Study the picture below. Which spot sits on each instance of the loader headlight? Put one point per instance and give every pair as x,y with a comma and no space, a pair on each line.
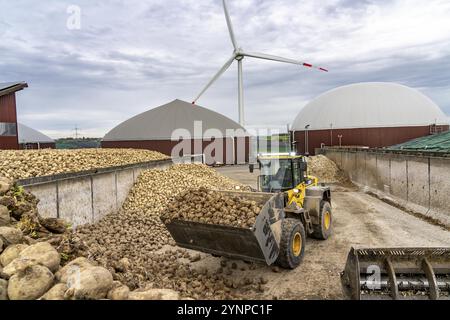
296,191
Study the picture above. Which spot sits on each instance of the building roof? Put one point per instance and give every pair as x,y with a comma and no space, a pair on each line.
433,143
10,87
160,123
29,135
370,105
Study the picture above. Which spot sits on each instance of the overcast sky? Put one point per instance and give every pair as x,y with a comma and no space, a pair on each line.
131,56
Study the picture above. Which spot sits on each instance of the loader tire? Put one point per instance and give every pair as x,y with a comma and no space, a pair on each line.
292,244
323,230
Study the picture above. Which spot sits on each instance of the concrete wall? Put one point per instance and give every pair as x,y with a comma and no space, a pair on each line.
421,182
85,197
440,184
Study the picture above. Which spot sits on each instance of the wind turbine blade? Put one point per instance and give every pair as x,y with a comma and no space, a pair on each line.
230,26
216,76
281,59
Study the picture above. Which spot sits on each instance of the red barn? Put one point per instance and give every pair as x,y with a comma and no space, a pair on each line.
8,114
374,114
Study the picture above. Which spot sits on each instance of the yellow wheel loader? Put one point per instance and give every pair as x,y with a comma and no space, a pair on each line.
294,206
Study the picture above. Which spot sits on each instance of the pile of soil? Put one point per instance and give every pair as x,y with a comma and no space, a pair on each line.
327,171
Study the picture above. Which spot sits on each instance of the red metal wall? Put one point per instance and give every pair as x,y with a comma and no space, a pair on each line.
365,137
8,113
166,147
8,108
8,143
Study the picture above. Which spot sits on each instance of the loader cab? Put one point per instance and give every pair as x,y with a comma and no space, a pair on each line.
281,173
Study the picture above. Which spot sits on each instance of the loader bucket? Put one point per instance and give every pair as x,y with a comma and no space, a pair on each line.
258,244
397,274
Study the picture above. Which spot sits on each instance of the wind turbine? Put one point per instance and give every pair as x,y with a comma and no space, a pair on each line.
239,55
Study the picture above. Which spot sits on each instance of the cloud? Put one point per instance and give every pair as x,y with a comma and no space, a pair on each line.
130,56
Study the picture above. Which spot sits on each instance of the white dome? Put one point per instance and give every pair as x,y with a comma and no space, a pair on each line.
370,105
161,122
29,135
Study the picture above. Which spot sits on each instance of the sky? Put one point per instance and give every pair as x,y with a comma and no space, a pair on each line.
93,64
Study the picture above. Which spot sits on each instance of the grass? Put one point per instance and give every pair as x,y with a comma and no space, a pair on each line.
84,143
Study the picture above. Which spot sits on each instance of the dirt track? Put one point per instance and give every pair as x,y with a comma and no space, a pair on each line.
359,220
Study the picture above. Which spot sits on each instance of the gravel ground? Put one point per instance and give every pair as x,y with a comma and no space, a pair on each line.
359,220
137,250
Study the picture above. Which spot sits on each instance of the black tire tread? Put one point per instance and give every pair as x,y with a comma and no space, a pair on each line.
319,233
284,259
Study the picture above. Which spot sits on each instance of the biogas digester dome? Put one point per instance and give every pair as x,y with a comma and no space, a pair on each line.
30,138
154,130
367,114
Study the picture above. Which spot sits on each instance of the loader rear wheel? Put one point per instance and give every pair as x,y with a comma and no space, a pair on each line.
292,244
323,230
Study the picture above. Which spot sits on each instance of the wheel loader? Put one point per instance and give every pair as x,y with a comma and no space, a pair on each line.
294,206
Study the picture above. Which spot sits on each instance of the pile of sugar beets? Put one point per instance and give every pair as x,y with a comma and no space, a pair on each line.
32,268
212,207
22,164
137,236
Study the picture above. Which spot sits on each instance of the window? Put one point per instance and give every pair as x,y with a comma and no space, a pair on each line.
8,129
297,172
276,175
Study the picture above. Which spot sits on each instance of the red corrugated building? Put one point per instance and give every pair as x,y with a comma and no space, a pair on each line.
374,115
8,114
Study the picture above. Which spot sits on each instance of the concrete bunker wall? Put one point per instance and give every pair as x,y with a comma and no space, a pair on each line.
418,181
86,197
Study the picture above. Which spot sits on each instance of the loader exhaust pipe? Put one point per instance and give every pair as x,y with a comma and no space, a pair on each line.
397,274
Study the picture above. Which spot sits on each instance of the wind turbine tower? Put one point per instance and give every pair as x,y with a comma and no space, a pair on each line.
239,54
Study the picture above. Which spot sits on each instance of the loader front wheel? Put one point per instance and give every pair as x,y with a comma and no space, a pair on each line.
292,244
323,230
